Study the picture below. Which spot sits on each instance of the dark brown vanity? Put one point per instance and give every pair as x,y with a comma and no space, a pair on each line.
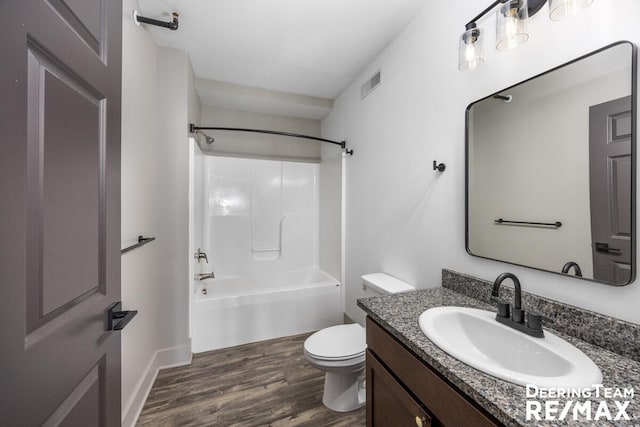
404,390
411,381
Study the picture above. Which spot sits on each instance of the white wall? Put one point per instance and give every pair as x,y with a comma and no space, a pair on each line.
157,102
172,161
196,211
139,135
407,220
330,183
265,146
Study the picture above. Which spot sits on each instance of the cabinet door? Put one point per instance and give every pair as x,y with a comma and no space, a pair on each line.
388,403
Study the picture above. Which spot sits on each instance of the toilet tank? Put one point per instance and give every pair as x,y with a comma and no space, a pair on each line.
382,284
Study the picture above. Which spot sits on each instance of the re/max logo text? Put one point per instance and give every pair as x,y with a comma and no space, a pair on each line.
587,410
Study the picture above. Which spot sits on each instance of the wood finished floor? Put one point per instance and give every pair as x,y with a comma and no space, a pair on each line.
261,384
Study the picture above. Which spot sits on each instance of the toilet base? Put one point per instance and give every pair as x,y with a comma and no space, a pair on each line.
344,391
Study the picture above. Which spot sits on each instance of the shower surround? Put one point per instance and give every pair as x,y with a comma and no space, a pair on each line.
258,222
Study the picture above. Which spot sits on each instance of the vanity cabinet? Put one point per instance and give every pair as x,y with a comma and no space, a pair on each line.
402,390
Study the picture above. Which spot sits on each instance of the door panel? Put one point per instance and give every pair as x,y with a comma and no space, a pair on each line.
60,211
611,188
620,189
87,18
82,406
72,121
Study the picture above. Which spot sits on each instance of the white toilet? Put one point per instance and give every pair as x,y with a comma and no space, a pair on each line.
339,351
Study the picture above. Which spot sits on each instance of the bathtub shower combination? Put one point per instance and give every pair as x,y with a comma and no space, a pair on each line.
258,222
243,309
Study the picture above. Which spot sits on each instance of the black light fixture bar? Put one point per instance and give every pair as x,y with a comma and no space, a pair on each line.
533,7
472,24
193,128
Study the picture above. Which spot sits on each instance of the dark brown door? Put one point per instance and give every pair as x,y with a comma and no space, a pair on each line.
610,182
60,79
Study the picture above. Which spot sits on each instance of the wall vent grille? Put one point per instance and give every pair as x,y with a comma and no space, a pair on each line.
370,85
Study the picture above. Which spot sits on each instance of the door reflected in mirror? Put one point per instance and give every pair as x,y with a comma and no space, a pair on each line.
551,167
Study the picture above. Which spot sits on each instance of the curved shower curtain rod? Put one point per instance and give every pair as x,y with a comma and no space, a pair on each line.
193,128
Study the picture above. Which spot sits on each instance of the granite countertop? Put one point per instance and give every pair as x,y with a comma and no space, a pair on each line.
399,313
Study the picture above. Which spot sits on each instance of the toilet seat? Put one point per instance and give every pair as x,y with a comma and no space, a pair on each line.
339,343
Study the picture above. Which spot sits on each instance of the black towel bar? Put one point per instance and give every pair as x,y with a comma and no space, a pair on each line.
501,221
141,242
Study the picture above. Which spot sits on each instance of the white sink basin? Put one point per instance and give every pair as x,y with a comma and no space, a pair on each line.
474,337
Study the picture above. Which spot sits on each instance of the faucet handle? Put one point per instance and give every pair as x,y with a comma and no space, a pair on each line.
504,309
201,255
534,321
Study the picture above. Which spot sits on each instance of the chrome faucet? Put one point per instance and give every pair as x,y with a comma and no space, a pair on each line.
515,318
203,276
575,266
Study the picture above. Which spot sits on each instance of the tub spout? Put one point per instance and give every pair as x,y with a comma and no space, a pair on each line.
203,276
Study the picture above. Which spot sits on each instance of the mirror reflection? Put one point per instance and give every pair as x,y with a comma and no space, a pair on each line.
550,166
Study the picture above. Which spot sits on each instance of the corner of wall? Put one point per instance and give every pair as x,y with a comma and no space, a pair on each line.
162,359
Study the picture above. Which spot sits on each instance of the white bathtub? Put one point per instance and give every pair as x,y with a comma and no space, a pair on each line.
241,310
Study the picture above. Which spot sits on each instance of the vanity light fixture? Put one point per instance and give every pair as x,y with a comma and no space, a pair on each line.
470,51
511,26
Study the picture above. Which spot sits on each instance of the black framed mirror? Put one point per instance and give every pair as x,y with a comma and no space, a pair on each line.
550,169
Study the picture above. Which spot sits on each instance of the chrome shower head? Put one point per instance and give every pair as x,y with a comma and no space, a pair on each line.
208,139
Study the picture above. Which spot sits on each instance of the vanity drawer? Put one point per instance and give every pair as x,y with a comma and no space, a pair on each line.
443,401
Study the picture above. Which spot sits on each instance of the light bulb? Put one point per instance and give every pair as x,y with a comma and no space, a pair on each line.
511,24
470,49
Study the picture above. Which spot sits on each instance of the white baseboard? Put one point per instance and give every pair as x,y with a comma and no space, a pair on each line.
162,359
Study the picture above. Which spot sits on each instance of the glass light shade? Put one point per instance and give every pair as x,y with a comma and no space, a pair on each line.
511,24
561,9
470,50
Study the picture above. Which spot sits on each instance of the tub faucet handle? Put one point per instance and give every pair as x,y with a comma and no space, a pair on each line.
201,255
203,276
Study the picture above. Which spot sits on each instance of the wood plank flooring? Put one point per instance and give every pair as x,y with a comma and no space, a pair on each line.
261,384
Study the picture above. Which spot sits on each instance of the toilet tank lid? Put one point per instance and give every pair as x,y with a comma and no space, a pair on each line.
386,284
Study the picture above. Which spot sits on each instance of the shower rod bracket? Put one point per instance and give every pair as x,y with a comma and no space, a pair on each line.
172,25
343,144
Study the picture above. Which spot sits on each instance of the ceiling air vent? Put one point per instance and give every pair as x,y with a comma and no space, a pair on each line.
370,85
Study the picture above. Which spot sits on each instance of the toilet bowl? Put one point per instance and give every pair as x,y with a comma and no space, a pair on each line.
339,351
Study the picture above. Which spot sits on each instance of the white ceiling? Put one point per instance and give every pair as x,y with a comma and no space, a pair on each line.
304,47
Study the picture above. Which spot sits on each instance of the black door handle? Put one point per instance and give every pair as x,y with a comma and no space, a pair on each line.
604,248
117,319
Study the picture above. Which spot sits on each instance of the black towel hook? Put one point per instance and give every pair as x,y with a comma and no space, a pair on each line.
439,167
